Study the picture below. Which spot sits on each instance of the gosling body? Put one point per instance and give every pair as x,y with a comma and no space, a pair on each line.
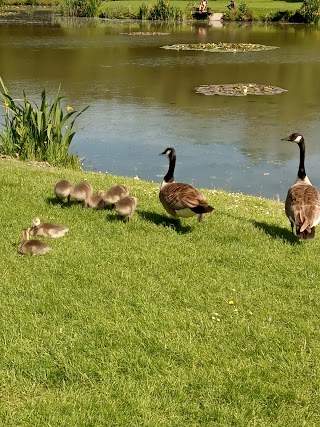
63,189
95,201
47,229
114,194
32,247
81,192
126,207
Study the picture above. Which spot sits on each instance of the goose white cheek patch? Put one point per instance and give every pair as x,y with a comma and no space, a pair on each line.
298,138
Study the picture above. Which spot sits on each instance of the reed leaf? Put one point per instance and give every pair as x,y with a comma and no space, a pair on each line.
38,133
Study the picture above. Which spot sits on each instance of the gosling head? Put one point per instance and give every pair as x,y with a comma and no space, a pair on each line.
36,221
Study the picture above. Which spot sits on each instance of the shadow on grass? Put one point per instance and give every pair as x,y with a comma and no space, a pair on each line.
277,232
165,221
54,201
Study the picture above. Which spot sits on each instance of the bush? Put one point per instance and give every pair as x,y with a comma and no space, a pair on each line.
308,12
162,10
81,8
38,133
242,13
143,12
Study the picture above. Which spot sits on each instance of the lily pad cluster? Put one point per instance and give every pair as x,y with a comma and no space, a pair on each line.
239,89
147,33
221,47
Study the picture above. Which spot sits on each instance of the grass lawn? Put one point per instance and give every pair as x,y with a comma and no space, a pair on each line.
259,7
157,322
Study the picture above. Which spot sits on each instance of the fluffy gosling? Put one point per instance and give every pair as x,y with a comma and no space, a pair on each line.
126,207
114,194
95,201
32,247
81,192
63,189
46,229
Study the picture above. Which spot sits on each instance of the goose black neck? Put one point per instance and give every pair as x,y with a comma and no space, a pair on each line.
172,163
301,170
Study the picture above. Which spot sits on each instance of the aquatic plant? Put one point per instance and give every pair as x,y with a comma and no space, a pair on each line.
41,133
239,89
221,47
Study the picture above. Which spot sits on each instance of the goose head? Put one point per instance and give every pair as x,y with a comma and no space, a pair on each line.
169,152
294,137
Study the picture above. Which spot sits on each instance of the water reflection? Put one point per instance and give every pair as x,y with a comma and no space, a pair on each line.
142,98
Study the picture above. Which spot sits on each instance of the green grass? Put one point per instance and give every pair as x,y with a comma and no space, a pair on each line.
117,325
258,7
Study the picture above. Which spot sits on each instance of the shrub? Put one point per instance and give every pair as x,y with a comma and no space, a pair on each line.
143,12
308,12
242,13
162,10
38,133
81,8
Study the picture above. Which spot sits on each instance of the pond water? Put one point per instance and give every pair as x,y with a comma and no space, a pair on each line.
142,98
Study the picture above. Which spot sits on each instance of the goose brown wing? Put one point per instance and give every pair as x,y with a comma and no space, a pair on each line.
303,206
180,196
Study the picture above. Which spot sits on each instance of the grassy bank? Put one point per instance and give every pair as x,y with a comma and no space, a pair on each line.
155,322
261,9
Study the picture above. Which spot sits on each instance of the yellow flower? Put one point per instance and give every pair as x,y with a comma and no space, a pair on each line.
231,302
69,108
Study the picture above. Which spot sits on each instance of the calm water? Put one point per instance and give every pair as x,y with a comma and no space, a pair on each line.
142,98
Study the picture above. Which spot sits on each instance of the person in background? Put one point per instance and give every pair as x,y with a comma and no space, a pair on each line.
232,5
203,6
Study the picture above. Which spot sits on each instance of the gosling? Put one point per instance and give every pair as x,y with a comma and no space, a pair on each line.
114,194
63,189
46,229
95,201
81,192
126,207
32,247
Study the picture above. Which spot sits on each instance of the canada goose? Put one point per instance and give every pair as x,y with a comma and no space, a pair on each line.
46,229
32,247
95,201
302,205
114,194
81,192
180,200
63,189
126,207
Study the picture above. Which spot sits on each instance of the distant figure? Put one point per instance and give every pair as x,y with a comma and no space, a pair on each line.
203,6
232,5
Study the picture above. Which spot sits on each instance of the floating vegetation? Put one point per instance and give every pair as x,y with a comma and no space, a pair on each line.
239,89
221,47
147,33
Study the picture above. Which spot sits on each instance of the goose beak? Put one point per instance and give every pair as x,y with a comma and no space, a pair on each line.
285,139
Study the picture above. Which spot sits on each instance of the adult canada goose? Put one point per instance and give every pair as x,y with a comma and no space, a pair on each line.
302,204
126,207
178,199
114,194
63,189
95,201
32,247
46,229
81,192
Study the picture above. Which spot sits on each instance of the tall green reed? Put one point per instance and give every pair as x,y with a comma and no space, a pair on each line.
41,133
